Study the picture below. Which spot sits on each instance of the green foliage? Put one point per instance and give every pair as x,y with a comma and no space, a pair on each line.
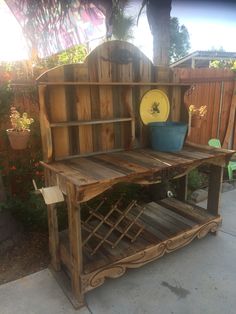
18,170
75,54
196,179
179,40
217,64
122,26
18,122
26,206
31,212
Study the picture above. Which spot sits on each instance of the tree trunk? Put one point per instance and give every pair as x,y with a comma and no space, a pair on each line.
158,14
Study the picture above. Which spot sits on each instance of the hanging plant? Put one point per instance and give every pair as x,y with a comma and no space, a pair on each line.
196,115
20,132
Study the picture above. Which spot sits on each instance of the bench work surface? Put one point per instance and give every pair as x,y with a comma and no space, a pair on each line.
94,174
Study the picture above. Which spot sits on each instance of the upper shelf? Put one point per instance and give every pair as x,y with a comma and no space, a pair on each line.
89,122
115,83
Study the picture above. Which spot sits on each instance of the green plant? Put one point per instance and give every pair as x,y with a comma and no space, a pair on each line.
196,180
217,64
201,112
75,54
26,206
122,26
20,123
179,40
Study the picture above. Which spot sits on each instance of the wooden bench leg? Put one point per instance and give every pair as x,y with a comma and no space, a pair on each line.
53,237
75,240
214,189
182,188
53,229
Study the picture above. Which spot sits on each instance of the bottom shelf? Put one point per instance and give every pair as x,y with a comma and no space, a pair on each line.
168,225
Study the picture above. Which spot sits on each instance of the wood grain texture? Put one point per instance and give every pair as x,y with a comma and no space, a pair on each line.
214,189
100,89
46,134
93,175
83,106
53,232
231,120
182,188
75,241
150,254
213,88
92,83
165,231
93,139
57,107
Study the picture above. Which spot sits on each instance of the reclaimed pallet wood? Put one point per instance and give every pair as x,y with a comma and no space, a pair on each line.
231,120
57,112
125,83
74,224
102,91
169,232
53,231
93,139
103,99
83,108
94,174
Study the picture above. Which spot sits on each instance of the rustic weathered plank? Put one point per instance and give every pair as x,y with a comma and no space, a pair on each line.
187,210
174,222
53,237
231,120
53,229
130,256
105,93
93,139
228,95
122,164
58,113
177,218
89,122
115,269
131,83
75,238
213,88
214,189
93,175
45,126
83,108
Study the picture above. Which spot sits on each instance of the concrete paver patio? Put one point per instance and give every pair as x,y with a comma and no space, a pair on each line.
199,278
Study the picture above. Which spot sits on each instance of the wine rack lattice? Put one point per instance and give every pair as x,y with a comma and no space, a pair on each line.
111,227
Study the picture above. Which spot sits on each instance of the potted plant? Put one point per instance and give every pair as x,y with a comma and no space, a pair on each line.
196,115
20,132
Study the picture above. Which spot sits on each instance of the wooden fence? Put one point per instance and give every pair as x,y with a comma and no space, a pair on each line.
215,88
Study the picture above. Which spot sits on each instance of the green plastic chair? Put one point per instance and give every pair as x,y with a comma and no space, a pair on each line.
215,142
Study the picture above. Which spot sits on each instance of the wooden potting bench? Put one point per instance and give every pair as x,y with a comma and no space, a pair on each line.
93,139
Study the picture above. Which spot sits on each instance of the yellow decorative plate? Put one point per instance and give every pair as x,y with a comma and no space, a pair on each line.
154,106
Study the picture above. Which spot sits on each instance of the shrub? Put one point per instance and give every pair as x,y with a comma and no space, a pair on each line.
196,179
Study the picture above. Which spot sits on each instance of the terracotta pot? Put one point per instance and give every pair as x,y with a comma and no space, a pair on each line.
196,122
18,140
